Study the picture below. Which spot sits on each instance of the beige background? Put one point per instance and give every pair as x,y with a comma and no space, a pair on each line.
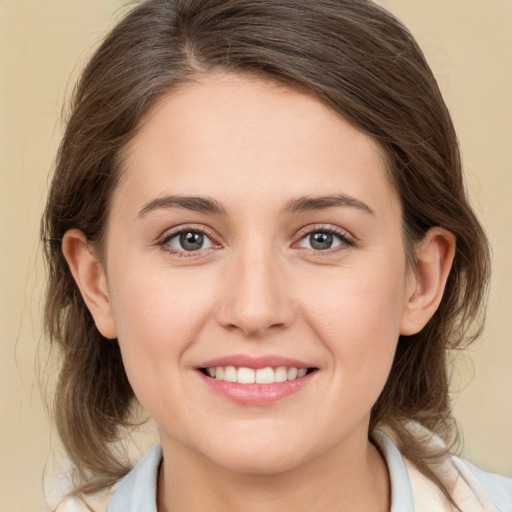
469,45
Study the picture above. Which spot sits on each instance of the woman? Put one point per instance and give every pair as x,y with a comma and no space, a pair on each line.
258,231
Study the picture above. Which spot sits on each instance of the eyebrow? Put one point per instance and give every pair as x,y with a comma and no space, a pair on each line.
307,203
211,206
197,204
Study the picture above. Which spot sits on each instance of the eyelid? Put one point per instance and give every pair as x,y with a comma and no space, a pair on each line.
170,233
346,238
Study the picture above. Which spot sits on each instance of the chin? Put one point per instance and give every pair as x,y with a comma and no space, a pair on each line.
261,456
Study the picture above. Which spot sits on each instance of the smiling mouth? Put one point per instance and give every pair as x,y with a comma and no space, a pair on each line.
267,375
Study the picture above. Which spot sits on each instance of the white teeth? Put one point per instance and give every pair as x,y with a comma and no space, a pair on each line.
280,374
267,375
230,374
292,373
246,376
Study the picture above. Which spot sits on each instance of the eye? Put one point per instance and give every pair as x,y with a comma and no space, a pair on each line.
188,240
323,240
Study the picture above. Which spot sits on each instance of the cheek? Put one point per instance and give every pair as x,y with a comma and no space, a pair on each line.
157,304
358,304
158,315
359,322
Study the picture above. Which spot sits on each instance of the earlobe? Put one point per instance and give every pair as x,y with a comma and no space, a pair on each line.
427,279
90,278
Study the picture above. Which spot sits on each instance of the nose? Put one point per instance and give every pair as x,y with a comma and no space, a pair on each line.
255,298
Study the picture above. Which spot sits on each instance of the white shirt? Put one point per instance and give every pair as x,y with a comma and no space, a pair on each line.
473,489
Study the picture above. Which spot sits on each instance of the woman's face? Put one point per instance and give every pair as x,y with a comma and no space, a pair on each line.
254,231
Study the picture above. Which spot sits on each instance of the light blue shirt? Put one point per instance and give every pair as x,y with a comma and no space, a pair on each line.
137,491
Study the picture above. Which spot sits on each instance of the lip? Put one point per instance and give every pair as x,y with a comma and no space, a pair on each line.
255,362
255,394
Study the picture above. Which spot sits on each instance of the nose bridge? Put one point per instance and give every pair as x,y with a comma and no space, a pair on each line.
255,297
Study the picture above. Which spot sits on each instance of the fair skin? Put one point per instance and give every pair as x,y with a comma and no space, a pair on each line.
294,250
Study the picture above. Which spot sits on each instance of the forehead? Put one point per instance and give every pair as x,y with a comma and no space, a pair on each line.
229,132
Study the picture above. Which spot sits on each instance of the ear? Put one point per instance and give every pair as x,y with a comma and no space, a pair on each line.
427,279
90,278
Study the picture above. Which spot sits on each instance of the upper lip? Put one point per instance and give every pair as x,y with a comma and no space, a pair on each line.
255,362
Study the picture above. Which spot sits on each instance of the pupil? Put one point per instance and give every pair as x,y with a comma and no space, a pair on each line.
191,241
320,241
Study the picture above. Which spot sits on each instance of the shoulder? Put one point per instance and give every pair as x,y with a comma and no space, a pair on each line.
497,487
136,492
472,488
467,482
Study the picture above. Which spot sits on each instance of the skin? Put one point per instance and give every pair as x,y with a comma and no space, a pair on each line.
257,287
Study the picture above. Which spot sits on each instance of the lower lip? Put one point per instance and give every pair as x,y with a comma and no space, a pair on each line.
256,394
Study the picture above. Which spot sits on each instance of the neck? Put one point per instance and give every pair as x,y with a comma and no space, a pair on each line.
348,480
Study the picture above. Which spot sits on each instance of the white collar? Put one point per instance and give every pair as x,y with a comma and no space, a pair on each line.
137,491
410,490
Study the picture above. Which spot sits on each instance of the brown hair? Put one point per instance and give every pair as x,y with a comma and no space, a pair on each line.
350,54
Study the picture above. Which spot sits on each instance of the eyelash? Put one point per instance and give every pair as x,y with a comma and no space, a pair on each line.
165,240
345,239
163,243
